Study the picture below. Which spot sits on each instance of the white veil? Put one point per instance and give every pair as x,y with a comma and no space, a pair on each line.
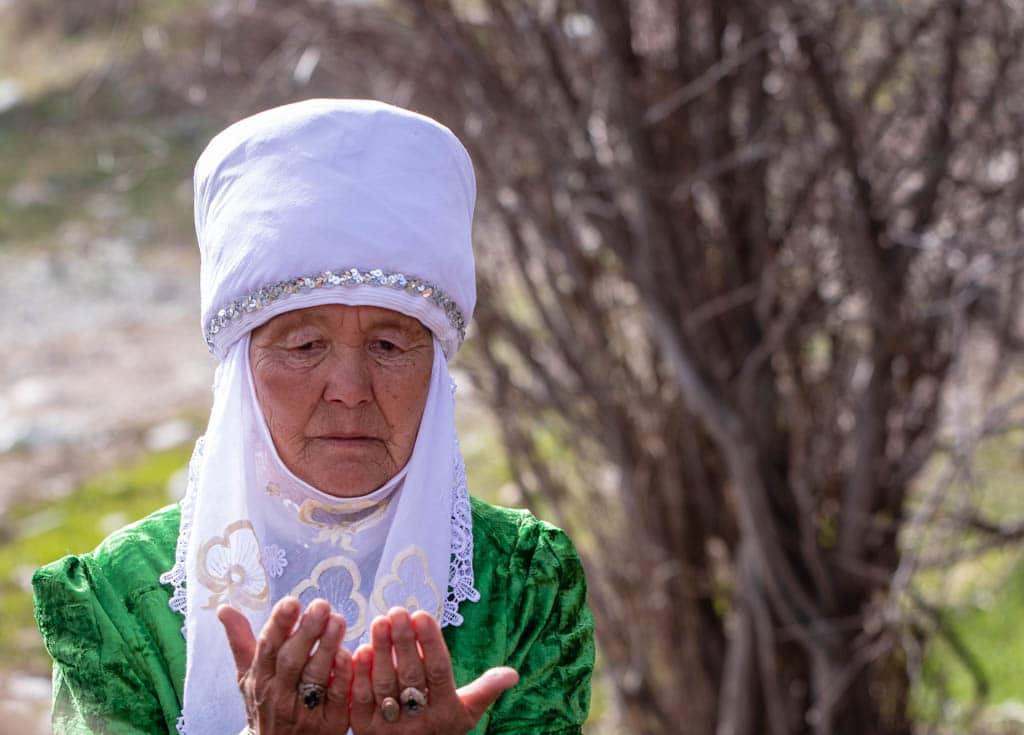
281,198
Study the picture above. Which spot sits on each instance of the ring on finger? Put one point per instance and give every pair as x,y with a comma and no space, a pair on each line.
389,709
312,694
413,700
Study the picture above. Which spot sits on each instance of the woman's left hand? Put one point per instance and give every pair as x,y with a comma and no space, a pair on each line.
385,672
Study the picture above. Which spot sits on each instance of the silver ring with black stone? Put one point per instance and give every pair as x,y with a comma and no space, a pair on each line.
312,695
413,700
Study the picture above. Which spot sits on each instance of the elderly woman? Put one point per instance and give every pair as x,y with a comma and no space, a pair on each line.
327,570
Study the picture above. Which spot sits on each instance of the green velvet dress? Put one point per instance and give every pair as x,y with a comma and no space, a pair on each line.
119,656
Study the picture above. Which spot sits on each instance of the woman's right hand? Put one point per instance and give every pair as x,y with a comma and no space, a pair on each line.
271,669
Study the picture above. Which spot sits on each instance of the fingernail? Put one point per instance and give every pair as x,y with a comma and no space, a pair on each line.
316,613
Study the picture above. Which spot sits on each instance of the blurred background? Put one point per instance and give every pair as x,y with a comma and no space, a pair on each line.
749,322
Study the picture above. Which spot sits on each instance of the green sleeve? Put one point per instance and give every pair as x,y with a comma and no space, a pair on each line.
532,616
551,644
104,620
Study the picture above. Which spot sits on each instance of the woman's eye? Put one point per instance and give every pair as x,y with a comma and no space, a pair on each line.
307,346
385,348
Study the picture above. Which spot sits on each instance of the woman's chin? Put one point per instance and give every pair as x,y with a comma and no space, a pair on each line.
349,470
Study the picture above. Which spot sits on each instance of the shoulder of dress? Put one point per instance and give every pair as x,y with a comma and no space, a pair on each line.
515,530
154,535
130,557
497,523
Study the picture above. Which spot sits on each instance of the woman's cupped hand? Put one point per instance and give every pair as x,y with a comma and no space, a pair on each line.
375,690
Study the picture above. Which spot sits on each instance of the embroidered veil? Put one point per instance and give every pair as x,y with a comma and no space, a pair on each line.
323,201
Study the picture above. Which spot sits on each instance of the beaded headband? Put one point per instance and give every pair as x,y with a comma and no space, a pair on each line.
257,300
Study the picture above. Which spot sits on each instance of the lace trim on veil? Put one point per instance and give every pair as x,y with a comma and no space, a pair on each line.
176,575
461,582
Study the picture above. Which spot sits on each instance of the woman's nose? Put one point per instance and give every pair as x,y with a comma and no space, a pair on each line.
348,377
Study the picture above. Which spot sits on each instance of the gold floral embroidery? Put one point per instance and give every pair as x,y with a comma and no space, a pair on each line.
409,585
339,523
337,579
230,566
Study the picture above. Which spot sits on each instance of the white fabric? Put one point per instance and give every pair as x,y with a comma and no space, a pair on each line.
256,533
305,188
330,185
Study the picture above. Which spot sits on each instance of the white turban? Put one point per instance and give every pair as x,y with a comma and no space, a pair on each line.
327,186
324,201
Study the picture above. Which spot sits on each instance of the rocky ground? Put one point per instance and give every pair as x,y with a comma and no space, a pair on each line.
97,348
100,358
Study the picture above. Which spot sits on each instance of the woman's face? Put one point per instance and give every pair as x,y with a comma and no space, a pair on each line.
342,389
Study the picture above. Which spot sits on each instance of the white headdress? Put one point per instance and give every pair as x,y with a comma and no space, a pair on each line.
325,201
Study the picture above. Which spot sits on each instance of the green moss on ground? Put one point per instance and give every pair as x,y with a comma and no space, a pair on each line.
984,608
